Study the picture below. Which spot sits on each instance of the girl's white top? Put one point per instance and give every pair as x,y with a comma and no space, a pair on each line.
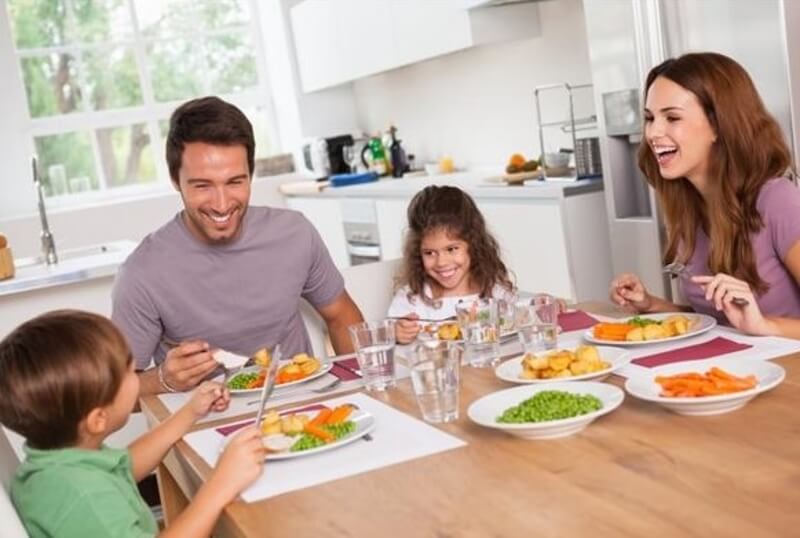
444,307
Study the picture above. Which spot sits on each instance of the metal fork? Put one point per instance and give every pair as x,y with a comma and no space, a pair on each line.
676,269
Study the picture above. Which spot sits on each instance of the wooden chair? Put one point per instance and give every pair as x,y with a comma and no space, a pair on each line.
371,287
11,525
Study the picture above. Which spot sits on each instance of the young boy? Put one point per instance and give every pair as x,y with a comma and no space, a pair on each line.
68,382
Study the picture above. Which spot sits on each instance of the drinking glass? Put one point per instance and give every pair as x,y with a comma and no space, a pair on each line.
480,324
351,157
374,343
435,378
537,323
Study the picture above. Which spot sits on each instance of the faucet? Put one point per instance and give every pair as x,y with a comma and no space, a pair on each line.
48,243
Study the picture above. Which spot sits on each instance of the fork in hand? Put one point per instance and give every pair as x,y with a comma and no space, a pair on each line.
676,269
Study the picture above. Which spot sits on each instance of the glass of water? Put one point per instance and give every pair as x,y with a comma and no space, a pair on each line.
537,323
435,377
374,343
480,325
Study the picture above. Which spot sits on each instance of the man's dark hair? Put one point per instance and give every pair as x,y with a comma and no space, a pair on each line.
210,120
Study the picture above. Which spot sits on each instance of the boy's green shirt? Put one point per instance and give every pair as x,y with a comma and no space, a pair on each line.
76,492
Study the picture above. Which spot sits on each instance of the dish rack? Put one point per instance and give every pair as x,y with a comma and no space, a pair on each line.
587,150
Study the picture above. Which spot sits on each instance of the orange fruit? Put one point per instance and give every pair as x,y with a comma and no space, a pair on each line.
517,159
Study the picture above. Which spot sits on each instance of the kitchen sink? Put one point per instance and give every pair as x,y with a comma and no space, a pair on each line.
74,265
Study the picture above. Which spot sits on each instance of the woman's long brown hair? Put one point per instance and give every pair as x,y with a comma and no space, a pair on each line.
452,210
749,151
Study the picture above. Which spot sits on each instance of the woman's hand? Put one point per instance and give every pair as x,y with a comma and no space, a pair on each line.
407,328
627,291
207,397
722,289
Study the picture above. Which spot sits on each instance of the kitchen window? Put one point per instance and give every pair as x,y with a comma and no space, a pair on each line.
102,77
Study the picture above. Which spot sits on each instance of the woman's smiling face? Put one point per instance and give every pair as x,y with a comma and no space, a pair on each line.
678,132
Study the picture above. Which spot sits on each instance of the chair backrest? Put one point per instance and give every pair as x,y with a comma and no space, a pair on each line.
11,525
370,286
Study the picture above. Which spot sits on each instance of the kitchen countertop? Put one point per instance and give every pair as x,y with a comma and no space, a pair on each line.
475,183
75,265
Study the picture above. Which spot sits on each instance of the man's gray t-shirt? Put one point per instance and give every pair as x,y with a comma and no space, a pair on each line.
239,296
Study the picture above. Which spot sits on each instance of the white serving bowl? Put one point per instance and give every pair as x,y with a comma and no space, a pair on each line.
485,411
769,376
511,370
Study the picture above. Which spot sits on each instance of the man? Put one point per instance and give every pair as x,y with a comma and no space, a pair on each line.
222,274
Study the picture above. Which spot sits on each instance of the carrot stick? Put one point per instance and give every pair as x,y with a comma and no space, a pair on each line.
339,414
320,419
316,431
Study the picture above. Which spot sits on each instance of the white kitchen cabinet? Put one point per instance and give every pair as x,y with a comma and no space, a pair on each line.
392,225
326,216
336,42
532,242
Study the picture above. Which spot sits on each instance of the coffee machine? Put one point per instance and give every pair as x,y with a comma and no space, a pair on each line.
323,157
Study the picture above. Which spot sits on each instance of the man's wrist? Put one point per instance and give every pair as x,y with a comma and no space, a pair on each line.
162,380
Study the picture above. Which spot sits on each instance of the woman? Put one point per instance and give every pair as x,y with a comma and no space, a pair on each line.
717,160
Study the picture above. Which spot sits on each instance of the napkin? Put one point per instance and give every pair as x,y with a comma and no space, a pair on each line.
346,369
575,321
712,348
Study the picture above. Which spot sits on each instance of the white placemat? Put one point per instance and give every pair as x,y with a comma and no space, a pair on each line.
397,437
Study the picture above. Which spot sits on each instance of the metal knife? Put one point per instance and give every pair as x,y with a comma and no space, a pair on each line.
269,383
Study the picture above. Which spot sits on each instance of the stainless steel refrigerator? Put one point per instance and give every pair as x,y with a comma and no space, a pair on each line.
626,39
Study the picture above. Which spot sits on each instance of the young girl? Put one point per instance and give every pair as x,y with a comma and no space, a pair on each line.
68,382
717,160
449,256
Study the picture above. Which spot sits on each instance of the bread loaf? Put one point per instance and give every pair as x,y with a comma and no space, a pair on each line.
6,259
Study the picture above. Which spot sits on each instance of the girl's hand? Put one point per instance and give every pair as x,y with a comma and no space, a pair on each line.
209,396
722,289
240,464
627,291
407,328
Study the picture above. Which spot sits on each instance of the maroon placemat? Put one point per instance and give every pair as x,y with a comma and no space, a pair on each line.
712,348
575,321
346,369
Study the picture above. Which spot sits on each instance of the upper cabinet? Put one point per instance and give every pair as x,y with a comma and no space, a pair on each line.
337,42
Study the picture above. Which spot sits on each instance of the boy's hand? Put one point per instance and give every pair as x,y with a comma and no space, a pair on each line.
241,463
188,364
209,396
407,328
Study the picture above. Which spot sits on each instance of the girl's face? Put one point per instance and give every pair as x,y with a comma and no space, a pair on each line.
678,132
446,260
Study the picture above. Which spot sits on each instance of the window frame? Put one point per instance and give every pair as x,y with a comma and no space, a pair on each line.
150,112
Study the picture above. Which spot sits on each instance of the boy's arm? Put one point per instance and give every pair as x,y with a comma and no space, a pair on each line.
149,449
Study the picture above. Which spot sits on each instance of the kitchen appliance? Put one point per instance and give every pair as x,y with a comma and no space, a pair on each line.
361,230
322,157
626,39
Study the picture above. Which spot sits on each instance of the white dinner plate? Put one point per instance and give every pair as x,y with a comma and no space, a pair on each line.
486,410
768,374
511,370
324,368
365,423
699,323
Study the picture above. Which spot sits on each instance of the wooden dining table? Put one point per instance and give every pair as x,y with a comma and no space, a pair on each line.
638,471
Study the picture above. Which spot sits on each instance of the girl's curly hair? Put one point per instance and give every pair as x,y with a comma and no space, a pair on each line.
452,210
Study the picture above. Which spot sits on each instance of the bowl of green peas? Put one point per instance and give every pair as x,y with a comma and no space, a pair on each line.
546,411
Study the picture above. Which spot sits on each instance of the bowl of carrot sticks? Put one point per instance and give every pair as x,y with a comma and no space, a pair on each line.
707,387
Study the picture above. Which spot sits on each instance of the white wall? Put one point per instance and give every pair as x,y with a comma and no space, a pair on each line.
112,221
477,105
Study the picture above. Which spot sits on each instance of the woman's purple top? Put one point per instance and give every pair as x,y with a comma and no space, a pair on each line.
779,206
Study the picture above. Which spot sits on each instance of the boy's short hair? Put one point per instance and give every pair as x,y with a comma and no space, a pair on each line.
56,368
